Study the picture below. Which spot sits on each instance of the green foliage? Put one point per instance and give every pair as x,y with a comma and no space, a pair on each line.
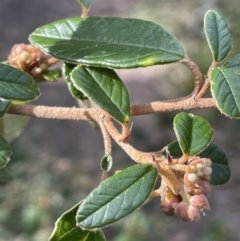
221,171
218,35
106,163
226,91
4,105
233,64
105,88
52,75
16,84
66,229
117,196
90,49
193,133
108,42
85,3
67,69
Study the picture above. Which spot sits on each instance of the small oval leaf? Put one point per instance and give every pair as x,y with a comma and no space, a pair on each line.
233,64
16,84
117,196
220,170
105,88
67,69
108,42
225,88
193,133
86,3
106,163
218,35
4,105
66,229
5,152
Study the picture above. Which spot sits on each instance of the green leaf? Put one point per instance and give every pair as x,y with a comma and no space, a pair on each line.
66,229
105,88
174,149
117,196
51,75
67,69
86,3
106,163
220,170
193,133
233,64
5,152
225,88
16,84
4,105
218,35
108,42
11,126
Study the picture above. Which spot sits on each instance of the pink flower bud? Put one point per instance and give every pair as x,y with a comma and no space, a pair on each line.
187,212
200,202
169,201
28,58
201,187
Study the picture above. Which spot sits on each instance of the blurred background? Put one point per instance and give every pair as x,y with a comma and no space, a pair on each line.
56,163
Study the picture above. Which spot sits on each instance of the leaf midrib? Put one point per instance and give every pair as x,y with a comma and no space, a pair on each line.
142,176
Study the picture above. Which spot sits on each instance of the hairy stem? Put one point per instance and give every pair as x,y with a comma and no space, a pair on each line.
196,73
106,138
137,156
206,84
72,113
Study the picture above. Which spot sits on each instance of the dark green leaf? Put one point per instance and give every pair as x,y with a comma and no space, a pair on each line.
220,169
225,88
105,88
4,105
108,42
16,84
5,152
106,163
218,35
67,69
66,229
233,64
117,196
85,3
174,149
193,133
52,75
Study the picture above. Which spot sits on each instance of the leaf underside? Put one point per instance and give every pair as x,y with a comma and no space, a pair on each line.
66,229
4,105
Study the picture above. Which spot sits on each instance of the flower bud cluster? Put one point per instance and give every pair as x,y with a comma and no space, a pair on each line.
28,58
192,199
